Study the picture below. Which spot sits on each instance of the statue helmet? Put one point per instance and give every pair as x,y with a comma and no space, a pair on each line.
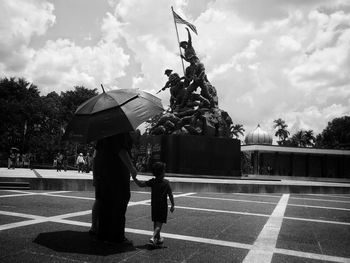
168,71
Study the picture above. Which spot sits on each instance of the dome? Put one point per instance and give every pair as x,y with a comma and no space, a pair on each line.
258,136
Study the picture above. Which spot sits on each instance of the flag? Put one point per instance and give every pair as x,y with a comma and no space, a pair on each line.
179,20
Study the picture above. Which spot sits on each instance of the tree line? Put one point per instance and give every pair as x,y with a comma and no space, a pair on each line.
35,124
335,136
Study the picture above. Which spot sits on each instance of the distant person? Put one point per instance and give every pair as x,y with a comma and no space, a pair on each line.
88,163
80,162
111,172
11,160
59,159
18,160
26,160
160,191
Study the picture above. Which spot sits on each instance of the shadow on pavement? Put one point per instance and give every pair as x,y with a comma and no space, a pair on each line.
149,247
78,242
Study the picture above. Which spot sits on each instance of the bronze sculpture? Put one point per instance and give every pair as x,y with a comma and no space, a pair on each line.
190,112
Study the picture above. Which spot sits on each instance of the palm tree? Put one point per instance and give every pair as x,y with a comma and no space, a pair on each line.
281,132
236,130
303,138
309,138
298,139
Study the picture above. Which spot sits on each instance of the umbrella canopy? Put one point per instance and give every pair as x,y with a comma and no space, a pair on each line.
110,113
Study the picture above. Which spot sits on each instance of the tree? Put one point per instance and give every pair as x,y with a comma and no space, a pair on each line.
309,138
34,123
236,130
336,134
19,104
282,133
302,139
70,101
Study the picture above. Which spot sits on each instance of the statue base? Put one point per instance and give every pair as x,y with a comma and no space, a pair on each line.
188,154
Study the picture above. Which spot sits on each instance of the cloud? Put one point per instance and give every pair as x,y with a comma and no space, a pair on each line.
267,59
19,21
61,65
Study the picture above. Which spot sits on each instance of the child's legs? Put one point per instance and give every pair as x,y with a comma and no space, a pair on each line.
157,228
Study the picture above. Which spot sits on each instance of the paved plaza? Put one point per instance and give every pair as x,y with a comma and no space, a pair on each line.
52,226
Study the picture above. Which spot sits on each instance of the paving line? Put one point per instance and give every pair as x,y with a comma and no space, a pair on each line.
321,207
192,239
37,219
15,195
24,193
29,216
40,219
218,211
22,223
30,192
61,219
260,195
331,195
256,214
217,242
140,192
265,243
201,240
322,200
70,196
311,255
233,200
317,220
14,191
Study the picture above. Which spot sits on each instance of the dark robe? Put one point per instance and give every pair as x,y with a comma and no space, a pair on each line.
112,186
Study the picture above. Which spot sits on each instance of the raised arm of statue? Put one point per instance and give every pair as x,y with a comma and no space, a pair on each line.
189,37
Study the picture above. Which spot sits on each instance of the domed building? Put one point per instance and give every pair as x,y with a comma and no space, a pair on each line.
263,158
258,136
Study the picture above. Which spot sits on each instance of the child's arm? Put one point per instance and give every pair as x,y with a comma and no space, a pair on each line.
139,183
171,197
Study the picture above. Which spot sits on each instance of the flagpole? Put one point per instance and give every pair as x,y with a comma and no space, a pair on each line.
178,40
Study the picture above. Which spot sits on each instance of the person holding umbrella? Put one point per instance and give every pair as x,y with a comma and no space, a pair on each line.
108,119
112,169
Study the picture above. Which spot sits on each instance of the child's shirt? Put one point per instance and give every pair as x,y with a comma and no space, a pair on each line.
160,189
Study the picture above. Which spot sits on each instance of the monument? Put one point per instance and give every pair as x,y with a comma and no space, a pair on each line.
193,135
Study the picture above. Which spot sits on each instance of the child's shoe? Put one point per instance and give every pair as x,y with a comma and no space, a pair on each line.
152,241
160,241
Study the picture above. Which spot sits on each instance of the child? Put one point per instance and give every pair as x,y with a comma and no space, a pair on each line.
160,190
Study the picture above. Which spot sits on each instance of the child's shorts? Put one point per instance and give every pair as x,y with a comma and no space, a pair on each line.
159,214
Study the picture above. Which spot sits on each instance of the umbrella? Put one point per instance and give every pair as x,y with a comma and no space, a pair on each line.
110,113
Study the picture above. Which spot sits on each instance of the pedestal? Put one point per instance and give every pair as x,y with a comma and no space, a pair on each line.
197,155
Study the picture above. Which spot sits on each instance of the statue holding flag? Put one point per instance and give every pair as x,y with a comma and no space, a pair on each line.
185,104
188,48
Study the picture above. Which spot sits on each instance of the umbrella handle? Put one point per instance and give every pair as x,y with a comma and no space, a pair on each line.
103,89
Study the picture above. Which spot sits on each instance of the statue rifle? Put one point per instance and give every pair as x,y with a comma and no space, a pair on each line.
162,89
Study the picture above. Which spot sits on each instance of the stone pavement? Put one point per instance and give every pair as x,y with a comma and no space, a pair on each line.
52,226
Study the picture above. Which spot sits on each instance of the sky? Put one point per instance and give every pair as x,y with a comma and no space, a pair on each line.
268,59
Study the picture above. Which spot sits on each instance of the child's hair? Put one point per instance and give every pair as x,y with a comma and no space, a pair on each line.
158,169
